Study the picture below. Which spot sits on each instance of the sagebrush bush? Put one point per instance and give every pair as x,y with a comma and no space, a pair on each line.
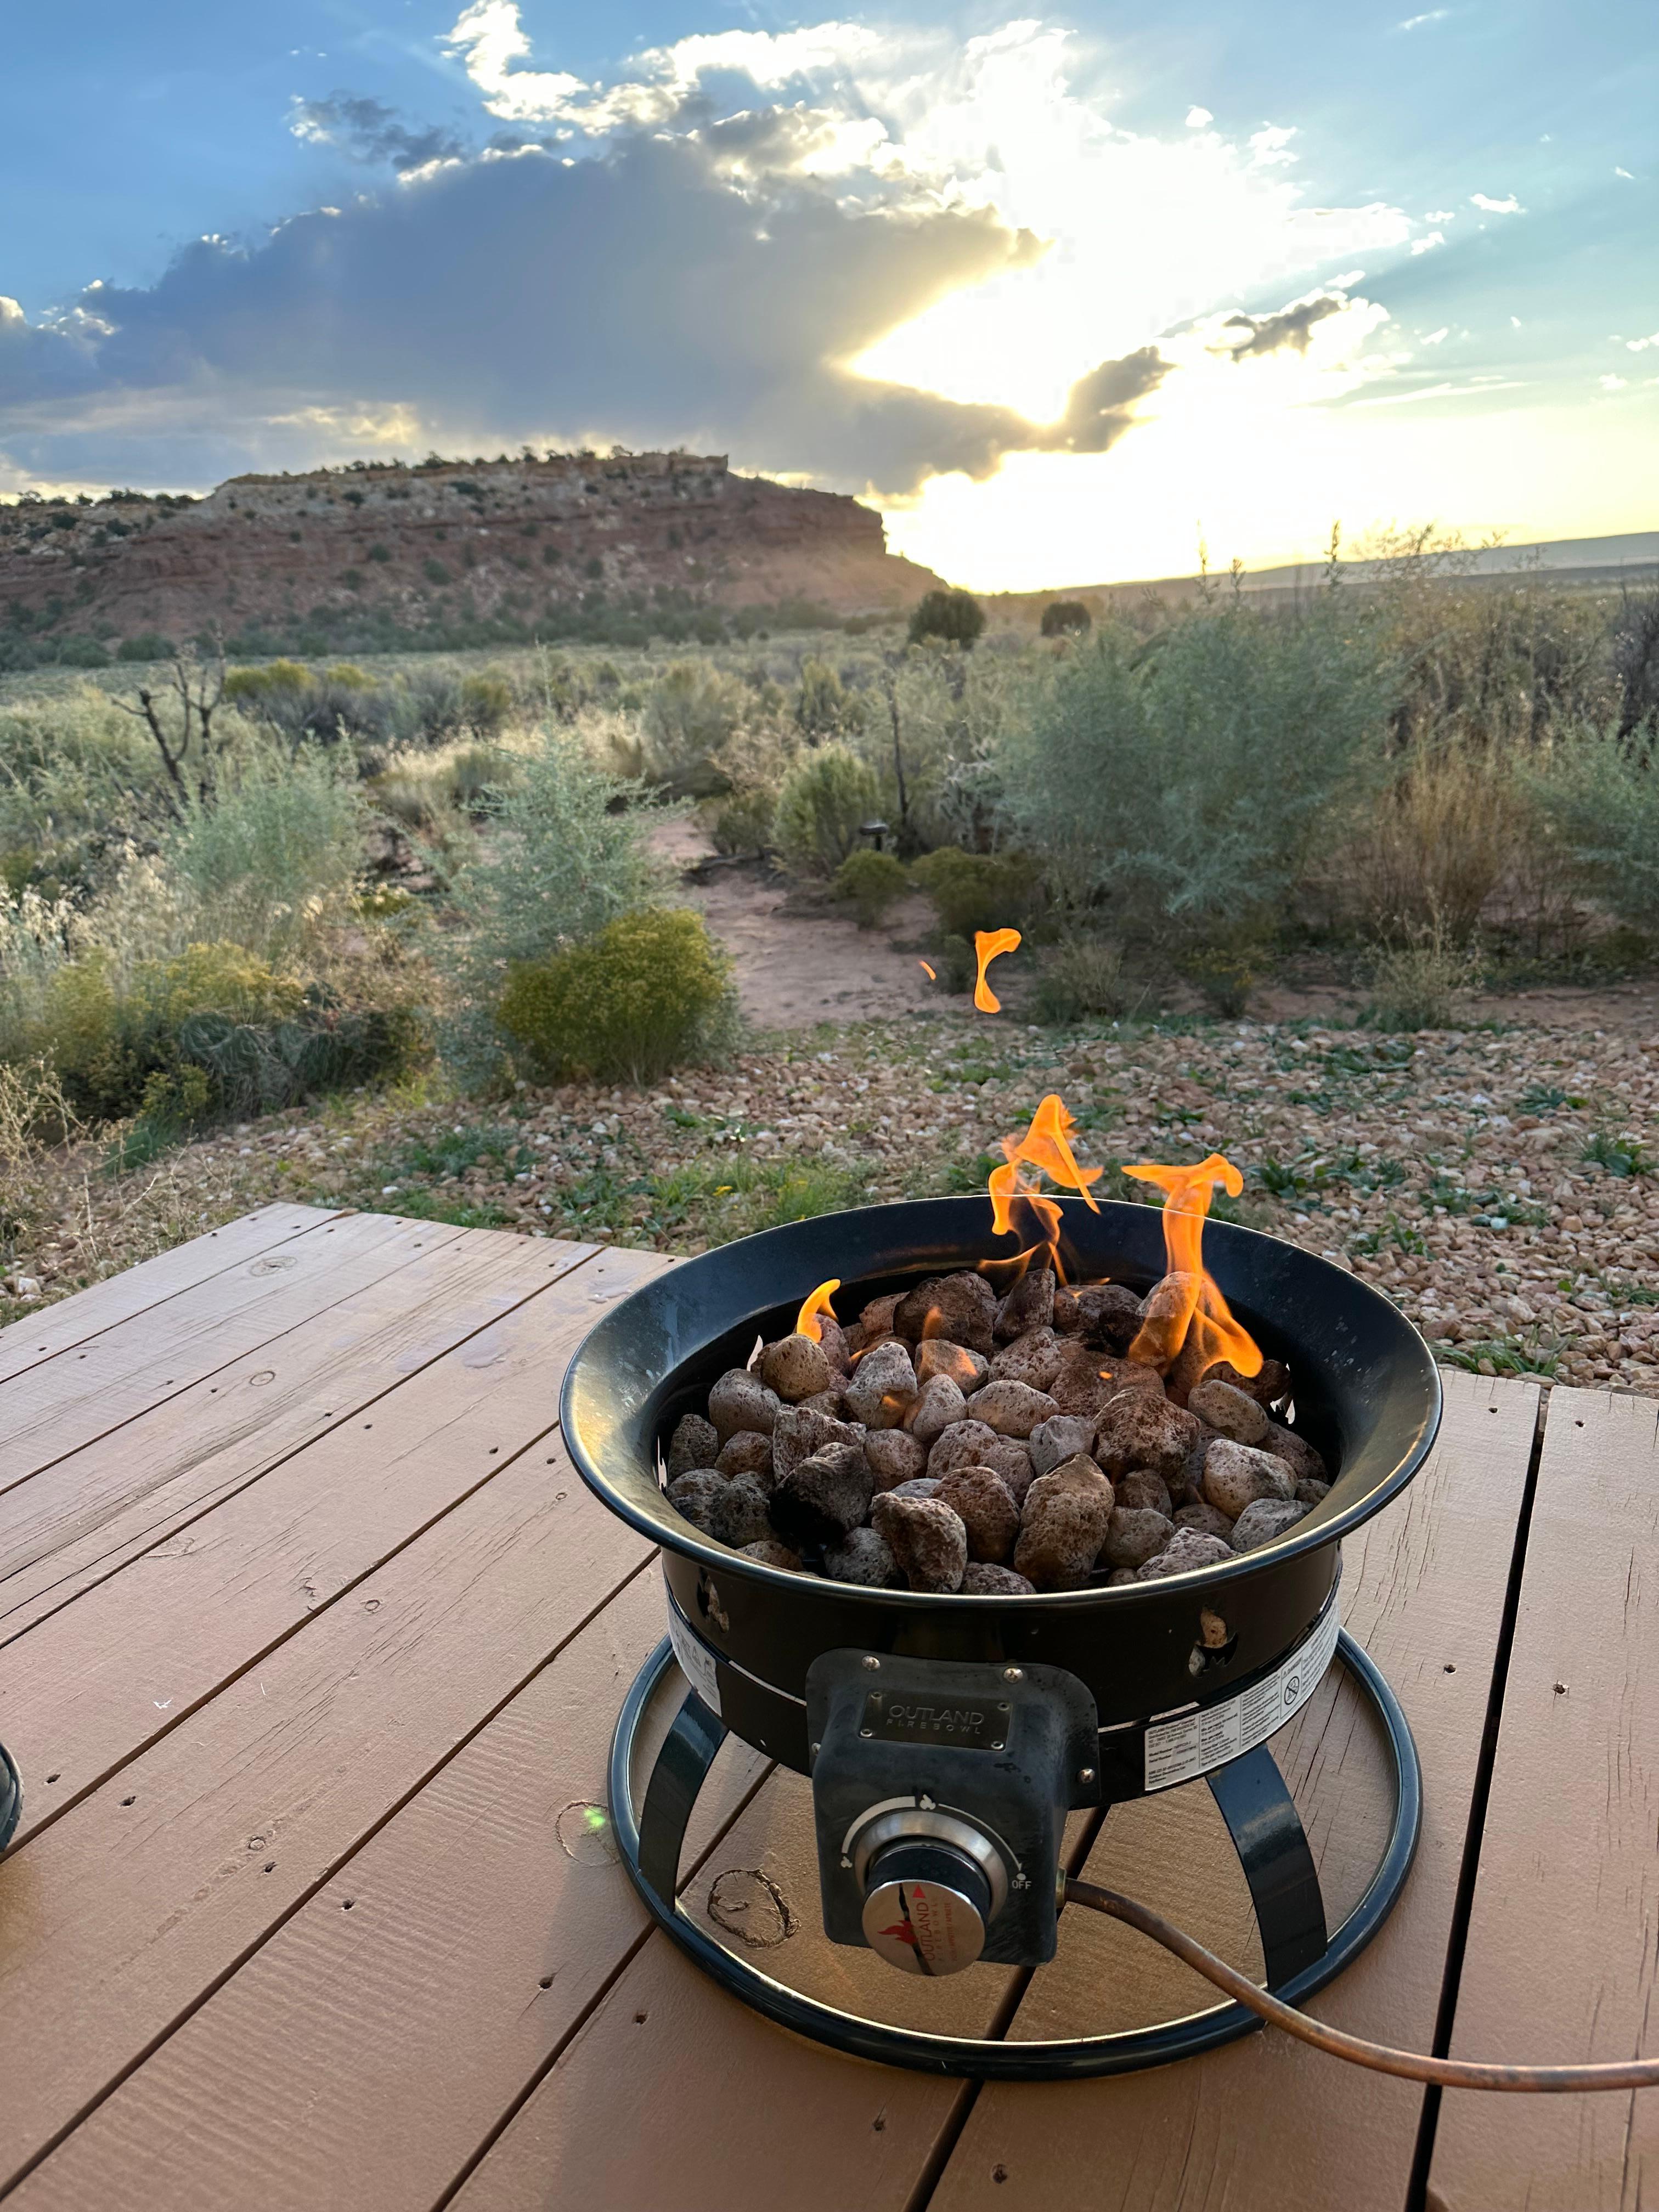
825,798
1081,977
1598,795
1417,986
649,992
974,891
743,823
869,883
277,860
1187,780
690,712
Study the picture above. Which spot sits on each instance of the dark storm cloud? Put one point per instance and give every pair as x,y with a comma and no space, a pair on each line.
1291,328
636,296
369,131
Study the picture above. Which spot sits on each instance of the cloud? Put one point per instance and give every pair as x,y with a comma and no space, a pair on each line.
863,256
1291,328
369,132
1613,383
1632,345
1198,117
1510,206
1416,22
1441,214
1624,173
1427,245
1435,337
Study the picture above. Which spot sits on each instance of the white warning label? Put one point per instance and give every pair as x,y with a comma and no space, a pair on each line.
696,1661
1178,1750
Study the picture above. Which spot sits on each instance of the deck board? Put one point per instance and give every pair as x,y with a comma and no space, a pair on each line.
81,1520
1560,1963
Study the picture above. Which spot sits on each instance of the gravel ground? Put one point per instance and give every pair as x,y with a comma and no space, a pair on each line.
1495,1183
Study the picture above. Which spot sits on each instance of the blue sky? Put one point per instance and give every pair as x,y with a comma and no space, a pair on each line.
1065,293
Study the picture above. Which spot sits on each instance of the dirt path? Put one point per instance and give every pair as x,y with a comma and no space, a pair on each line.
798,964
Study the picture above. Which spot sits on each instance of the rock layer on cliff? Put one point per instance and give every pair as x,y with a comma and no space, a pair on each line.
442,543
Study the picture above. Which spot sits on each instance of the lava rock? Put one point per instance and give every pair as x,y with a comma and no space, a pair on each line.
800,1430
1306,1464
894,1456
1141,1490
927,1540
1236,1475
747,1452
1268,1517
1165,1311
1187,1549
833,1345
732,1512
918,1485
771,1553
980,1499
982,1579
819,1501
695,1443
877,1318
1068,1315
1063,1436
741,1401
1063,1525
1035,1358
864,1558
1119,1575
937,1355
970,1443
1013,1409
795,1367
1308,1492
1228,1411
1270,1386
692,1495
1136,1535
1208,1520
939,1404
883,1386
1136,1429
1109,1313
961,1307
1028,1305
831,1401
1079,1385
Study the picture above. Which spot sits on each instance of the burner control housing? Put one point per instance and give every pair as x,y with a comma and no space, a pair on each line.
940,1790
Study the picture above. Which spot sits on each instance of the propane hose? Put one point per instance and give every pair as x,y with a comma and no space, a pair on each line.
1410,2065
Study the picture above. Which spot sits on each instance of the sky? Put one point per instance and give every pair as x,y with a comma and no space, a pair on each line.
1070,296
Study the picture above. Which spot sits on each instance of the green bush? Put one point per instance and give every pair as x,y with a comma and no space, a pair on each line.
277,860
743,822
650,991
956,618
825,798
690,712
1067,618
1082,977
1598,798
869,883
974,891
1187,782
486,702
824,708
1417,987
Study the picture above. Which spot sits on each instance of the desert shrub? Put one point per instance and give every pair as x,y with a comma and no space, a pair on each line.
690,712
1227,964
650,991
1598,796
869,883
1186,782
1067,618
1450,826
1081,977
486,702
825,798
974,891
954,964
77,777
824,707
427,791
955,617
276,860
1417,986
742,823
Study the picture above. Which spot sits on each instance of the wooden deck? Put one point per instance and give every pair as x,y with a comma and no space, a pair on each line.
311,1645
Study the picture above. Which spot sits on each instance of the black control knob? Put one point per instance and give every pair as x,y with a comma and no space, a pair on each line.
927,1906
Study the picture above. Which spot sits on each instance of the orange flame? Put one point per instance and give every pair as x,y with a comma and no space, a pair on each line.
932,974
1193,1307
989,945
1045,1149
807,1320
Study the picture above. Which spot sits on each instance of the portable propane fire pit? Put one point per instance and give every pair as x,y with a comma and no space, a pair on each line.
948,1734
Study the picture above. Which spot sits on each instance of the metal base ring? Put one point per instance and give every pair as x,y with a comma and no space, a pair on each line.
11,1796
1258,1812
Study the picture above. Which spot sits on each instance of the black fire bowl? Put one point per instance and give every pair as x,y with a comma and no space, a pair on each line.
1366,1394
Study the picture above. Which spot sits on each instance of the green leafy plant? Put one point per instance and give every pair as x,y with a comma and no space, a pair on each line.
953,617
1621,1156
648,993
974,891
825,798
870,883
